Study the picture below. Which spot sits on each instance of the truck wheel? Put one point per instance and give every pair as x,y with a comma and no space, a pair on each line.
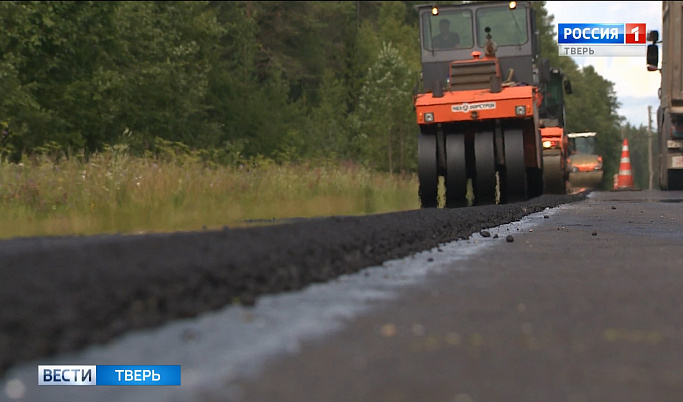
553,175
675,179
535,179
514,181
456,171
427,171
485,171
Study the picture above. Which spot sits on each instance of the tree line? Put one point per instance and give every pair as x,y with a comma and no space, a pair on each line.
283,80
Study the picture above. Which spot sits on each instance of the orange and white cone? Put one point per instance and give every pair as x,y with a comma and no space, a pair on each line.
625,179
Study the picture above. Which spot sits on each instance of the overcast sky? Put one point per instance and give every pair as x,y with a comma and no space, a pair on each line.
636,88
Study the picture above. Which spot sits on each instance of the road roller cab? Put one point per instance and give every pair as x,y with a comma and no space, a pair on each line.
584,164
477,104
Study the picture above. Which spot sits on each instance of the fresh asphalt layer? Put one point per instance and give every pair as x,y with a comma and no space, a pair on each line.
64,294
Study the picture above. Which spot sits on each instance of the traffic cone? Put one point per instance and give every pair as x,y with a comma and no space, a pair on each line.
625,179
616,180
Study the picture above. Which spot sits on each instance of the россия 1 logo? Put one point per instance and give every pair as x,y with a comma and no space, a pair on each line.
609,40
635,33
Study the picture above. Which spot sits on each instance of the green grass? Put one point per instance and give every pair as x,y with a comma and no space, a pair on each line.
116,193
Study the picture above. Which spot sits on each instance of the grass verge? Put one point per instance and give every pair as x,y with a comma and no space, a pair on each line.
116,193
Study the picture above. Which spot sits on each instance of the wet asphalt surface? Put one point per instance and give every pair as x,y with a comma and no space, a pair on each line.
64,294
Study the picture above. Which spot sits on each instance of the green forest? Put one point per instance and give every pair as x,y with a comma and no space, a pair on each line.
233,81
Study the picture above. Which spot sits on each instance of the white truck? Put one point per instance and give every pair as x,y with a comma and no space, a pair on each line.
670,111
